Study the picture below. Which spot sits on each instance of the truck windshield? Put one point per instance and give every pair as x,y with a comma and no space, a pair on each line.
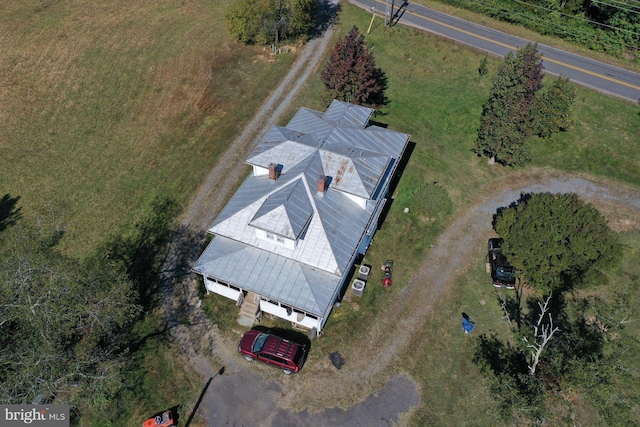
507,273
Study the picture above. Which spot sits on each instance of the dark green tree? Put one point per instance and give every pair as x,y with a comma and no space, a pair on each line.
553,108
506,117
483,69
351,73
557,241
270,21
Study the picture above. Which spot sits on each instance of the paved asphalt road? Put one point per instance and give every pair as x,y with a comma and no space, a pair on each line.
588,72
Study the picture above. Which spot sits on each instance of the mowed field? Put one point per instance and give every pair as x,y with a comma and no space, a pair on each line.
106,106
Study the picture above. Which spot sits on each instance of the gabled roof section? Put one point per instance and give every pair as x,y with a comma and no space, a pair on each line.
310,122
345,114
282,146
286,212
354,170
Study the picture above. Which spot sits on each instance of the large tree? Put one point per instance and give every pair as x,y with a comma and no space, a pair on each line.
351,73
62,322
505,123
270,21
557,241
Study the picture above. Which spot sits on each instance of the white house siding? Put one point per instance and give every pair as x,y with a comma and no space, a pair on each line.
296,317
220,289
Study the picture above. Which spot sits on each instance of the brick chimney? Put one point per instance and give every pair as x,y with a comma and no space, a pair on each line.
273,171
322,183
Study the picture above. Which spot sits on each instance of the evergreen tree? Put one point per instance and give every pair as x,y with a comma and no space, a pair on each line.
506,120
351,74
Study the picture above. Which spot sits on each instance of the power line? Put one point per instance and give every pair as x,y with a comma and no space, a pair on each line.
632,3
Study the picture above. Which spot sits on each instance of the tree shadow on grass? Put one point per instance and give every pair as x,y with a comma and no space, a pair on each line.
379,99
9,213
168,252
142,252
511,384
511,305
395,180
327,15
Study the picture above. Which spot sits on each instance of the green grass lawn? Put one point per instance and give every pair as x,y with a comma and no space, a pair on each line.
107,106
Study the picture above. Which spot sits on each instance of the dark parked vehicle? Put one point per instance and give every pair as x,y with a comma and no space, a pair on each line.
273,350
502,273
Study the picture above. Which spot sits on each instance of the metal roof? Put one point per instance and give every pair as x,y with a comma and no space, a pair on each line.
270,275
327,226
286,212
344,114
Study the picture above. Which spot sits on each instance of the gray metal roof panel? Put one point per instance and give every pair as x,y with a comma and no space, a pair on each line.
354,170
253,190
287,153
310,122
313,247
259,271
286,212
387,143
345,114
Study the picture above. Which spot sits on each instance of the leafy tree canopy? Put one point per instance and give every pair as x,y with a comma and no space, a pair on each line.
556,240
62,321
552,110
517,108
270,21
351,73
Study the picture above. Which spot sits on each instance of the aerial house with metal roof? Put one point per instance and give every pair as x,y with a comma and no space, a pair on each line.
288,238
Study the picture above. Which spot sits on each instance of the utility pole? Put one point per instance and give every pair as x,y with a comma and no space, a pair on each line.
388,16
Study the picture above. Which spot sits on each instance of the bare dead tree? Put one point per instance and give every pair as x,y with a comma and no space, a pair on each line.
542,334
511,307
